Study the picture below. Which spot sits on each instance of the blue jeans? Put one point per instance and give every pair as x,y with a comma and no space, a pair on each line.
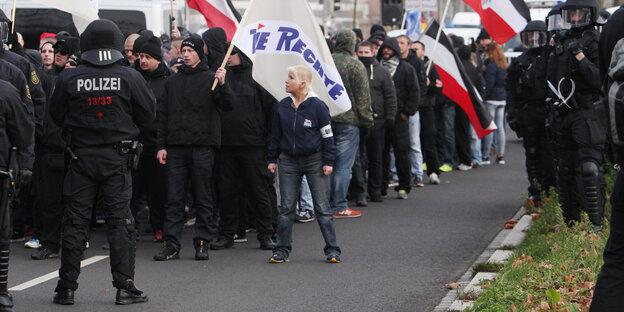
498,113
449,133
475,147
347,140
416,156
305,200
291,170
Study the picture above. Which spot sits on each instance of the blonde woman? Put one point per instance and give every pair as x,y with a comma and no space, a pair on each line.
302,143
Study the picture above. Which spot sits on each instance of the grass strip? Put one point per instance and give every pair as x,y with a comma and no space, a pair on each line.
554,269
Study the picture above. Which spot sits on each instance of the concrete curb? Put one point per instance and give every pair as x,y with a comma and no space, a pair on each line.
512,237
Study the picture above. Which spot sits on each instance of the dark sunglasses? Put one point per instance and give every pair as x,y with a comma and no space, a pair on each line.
61,51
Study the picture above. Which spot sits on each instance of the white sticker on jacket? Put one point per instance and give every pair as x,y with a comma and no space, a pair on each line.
326,132
307,123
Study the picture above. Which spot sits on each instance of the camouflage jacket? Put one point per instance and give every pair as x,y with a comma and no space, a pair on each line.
355,80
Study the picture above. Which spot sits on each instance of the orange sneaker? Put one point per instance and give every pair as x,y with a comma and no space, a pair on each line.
348,213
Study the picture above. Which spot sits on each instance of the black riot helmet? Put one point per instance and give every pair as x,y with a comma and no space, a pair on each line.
5,28
554,22
102,43
534,35
580,13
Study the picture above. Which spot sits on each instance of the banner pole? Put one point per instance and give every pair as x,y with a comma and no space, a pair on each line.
171,20
435,47
13,20
227,56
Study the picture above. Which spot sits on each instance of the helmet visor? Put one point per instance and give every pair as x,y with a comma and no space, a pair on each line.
577,17
4,31
555,22
533,39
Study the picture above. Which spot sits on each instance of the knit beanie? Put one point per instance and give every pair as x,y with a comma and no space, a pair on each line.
196,44
138,43
152,48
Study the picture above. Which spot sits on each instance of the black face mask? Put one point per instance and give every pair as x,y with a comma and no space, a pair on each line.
367,61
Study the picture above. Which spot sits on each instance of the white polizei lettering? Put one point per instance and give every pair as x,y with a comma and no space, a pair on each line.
88,84
326,132
99,84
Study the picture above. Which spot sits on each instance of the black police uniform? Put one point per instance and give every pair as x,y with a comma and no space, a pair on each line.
580,136
527,91
17,129
101,103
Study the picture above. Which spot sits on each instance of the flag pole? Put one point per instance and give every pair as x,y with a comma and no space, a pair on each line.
13,19
227,56
435,47
404,20
171,20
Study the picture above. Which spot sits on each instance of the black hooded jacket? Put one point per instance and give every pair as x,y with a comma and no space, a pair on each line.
474,74
215,40
421,71
248,124
405,81
156,80
189,113
382,91
432,89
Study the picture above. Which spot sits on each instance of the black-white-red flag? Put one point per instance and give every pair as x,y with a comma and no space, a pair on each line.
218,13
457,85
502,19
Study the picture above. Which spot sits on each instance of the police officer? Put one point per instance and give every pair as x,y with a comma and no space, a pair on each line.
527,111
574,74
16,130
101,105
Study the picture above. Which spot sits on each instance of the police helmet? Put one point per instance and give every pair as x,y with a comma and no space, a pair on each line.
534,35
5,27
580,13
554,20
101,43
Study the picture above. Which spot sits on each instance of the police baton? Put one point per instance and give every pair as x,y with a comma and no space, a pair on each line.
227,56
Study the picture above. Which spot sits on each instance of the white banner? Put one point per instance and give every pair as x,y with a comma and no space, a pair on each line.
277,34
427,5
83,11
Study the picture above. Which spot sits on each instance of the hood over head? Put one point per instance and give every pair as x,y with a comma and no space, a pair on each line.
216,40
391,43
345,42
464,53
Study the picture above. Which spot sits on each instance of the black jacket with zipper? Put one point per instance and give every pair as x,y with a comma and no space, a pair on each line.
189,113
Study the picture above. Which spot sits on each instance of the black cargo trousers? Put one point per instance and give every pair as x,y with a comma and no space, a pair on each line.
580,139
102,170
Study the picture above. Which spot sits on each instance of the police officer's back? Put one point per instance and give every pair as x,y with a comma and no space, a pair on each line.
101,105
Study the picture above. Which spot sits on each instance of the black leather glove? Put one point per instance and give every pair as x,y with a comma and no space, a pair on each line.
25,176
573,47
13,39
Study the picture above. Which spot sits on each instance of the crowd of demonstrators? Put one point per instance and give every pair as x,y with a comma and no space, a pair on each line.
230,159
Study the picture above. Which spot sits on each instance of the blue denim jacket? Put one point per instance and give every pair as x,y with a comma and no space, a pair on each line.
302,131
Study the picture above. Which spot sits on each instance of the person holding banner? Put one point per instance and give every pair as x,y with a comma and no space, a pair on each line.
307,148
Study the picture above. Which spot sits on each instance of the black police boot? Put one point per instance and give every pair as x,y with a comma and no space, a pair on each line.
6,301
592,188
201,250
267,243
64,296
129,294
222,243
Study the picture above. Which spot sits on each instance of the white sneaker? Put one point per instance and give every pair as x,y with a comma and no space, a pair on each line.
463,167
433,178
32,243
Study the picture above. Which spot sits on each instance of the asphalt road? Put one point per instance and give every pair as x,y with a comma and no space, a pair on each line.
396,257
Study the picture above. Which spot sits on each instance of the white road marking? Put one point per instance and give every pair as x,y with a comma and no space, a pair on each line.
51,275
